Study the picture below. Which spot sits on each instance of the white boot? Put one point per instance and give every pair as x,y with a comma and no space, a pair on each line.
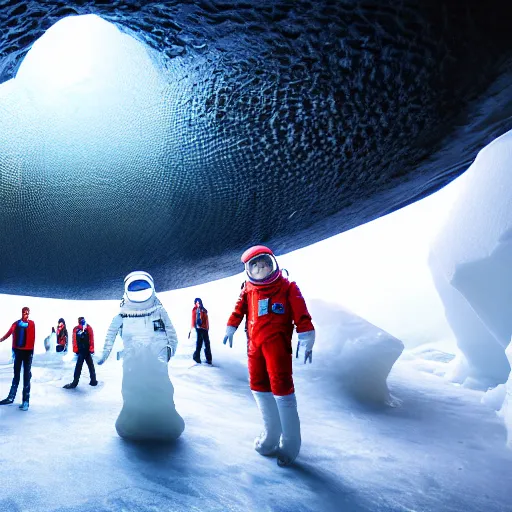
289,445
268,441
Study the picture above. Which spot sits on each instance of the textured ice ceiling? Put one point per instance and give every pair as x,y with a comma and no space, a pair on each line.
277,122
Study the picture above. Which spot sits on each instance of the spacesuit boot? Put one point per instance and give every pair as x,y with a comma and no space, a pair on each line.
289,444
268,441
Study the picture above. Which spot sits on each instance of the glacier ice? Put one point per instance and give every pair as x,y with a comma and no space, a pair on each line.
471,260
506,409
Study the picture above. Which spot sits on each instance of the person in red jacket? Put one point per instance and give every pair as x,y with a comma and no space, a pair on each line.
23,333
62,336
83,347
272,306
200,324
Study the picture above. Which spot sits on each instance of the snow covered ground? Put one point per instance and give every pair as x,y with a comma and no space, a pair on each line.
440,450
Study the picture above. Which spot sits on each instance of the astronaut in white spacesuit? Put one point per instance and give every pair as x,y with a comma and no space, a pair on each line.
150,341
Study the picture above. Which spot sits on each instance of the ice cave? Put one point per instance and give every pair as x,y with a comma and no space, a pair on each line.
144,146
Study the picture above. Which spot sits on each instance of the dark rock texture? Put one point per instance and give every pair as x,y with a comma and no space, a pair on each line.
302,120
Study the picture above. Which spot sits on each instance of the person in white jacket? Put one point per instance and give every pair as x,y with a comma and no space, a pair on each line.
150,341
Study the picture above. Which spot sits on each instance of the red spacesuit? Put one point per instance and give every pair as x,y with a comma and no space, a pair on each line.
272,305
272,310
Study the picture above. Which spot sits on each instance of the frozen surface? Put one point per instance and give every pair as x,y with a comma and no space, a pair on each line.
440,450
470,261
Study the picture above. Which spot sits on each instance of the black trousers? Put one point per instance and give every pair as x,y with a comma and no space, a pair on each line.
22,357
78,368
202,336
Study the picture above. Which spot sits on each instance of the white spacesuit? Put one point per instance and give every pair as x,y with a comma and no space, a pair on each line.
149,340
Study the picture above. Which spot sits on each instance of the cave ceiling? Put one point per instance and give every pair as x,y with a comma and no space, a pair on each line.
292,121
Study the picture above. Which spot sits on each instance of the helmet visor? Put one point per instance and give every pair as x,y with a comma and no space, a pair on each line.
261,268
139,290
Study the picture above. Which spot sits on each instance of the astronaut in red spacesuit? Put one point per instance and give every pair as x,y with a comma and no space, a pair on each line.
272,305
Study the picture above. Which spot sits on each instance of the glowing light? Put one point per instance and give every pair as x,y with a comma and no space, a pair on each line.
67,53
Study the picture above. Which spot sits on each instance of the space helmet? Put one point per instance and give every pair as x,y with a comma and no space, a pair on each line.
139,286
260,265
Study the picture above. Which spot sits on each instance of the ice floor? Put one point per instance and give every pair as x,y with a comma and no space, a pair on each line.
441,450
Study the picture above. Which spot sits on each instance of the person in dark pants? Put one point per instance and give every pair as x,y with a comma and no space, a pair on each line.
83,347
23,336
200,324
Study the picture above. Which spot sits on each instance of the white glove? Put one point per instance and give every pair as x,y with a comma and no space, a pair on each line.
166,353
306,340
230,331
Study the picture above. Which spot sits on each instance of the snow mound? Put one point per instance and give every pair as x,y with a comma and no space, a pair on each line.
495,397
353,352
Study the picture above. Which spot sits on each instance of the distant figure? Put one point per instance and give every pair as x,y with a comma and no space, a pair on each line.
48,339
23,337
272,305
62,336
83,347
149,339
200,324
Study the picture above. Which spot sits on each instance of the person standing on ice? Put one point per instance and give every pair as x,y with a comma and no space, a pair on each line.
150,341
200,324
62,336
23,337
273,305
83,347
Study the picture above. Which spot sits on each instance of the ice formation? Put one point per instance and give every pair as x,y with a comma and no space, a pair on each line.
359,354
506,409
470,264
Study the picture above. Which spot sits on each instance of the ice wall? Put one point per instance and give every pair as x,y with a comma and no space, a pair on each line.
482,356
470,261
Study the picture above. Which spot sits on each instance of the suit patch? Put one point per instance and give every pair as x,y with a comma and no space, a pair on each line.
278,308
158,325
263,307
